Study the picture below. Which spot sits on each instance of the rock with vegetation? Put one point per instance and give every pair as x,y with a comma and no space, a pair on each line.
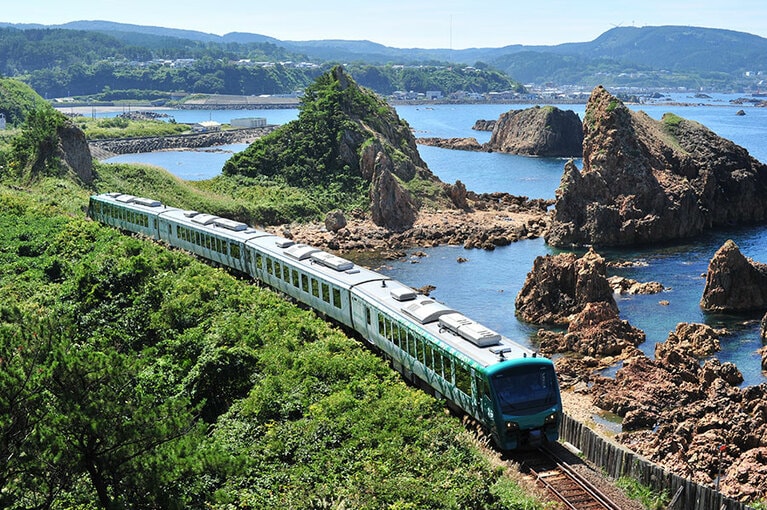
734,282
538,131
347,147
645,181
46,143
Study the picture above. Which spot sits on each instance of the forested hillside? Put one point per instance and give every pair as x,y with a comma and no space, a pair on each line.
663,56
133,376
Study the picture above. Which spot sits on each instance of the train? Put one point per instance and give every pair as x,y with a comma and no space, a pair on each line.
511,390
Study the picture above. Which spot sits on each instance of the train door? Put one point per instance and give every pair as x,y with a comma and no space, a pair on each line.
485,405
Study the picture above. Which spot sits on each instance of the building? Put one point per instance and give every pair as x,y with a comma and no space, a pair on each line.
206,126
248,122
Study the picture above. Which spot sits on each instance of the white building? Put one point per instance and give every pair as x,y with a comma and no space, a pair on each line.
248,122
206,126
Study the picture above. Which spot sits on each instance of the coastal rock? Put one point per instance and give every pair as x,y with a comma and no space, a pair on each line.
645,181
538,131
596,331
763,327
391,205
697,340
734,283
73,151
458,195
335,221
483,125
678,413
461,144
623,285
560,286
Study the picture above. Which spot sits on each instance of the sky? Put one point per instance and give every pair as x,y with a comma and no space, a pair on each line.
451,24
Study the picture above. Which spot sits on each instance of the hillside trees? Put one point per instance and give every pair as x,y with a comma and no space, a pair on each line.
133,376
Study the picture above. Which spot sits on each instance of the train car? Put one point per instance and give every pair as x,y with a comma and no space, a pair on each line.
127,212
505,386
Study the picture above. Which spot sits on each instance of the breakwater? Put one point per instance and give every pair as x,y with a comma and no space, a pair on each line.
102,149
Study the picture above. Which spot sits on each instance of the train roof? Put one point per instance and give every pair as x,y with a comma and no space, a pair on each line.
214,224
132,201
330,267
477,343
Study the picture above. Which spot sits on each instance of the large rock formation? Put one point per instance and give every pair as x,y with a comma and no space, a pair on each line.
73,151
645,181
537,131
560,286
347,139
734,283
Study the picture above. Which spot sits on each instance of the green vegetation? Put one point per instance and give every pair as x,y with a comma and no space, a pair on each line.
137,377
634,490
671,120
119,127
133,376
319,153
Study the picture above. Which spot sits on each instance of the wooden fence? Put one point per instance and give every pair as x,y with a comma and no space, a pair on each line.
617,461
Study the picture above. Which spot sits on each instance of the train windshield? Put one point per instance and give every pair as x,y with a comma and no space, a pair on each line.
525,389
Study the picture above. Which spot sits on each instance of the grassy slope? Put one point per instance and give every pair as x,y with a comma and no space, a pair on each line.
311,419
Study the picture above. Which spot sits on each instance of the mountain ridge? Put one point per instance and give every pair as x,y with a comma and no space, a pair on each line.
650,56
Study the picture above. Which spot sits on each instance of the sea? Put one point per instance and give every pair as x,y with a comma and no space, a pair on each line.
486,285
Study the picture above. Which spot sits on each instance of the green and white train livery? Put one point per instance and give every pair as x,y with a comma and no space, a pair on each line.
507,387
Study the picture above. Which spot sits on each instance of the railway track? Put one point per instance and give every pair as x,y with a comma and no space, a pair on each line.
564,483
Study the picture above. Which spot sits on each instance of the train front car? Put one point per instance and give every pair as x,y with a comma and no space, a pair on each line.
526,402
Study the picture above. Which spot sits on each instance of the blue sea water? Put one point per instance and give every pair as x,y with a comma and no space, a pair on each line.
485,287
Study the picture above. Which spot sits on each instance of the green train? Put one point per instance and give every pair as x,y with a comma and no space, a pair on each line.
505,386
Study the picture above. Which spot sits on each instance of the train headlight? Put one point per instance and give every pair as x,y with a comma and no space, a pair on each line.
512,427
550,419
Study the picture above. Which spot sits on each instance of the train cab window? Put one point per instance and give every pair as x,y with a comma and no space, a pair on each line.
315,288
337,298
326,294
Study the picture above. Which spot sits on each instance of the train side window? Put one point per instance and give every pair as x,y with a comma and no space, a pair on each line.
258,261
277,269
427,355
269,269
305,283
235,251
286,274
367,315
326,294
296,279
337,298
463,378
447,366
381,325
315,288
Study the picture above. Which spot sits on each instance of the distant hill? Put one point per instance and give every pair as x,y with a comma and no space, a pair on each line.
660,56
